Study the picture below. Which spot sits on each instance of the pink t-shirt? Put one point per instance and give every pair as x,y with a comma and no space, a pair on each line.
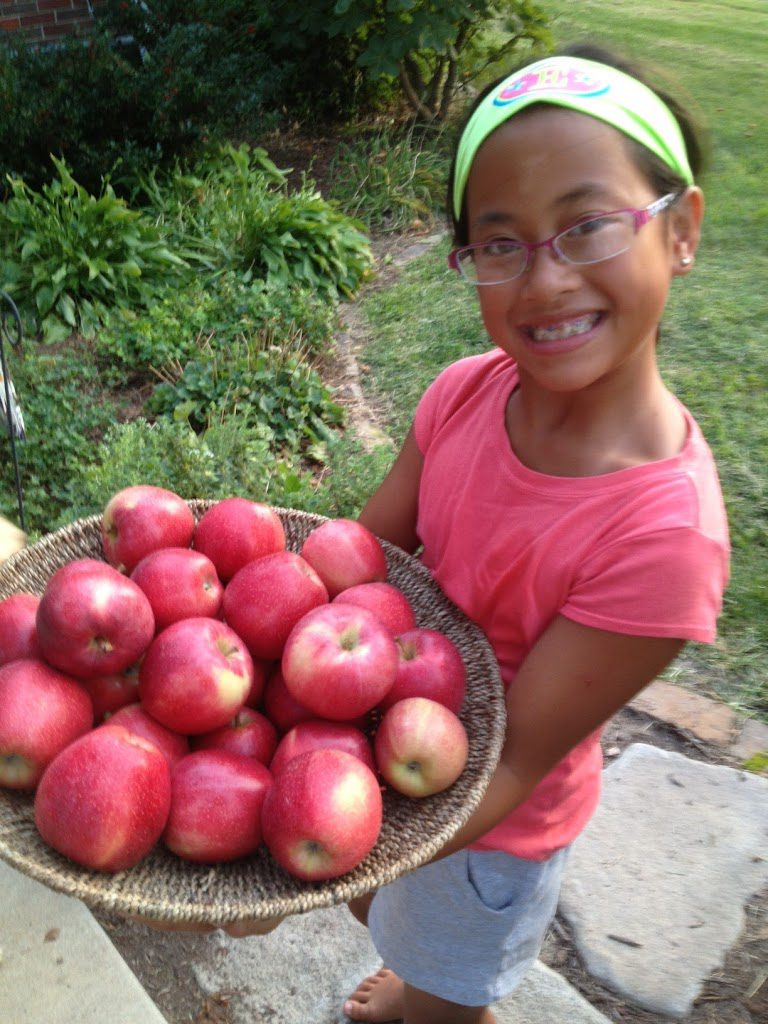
642,551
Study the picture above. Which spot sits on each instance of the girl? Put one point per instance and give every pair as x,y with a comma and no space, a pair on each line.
560,494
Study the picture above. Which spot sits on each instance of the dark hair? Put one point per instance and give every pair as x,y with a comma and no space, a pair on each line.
661,177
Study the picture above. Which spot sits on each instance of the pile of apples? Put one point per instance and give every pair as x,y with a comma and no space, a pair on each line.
207,688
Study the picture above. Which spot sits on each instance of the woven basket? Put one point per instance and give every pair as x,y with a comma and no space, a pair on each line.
164,887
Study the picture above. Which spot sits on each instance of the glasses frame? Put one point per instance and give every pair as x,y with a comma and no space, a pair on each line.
641,217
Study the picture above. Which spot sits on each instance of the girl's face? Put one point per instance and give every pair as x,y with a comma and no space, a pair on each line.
571,326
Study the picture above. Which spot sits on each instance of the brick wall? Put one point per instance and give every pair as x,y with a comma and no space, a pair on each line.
46,21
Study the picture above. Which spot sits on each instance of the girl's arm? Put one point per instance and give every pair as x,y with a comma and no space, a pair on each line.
573,681
391,511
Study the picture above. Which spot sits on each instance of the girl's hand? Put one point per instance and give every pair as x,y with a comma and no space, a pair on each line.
12,539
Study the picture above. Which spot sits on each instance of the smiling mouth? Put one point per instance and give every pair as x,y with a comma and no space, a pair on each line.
566,329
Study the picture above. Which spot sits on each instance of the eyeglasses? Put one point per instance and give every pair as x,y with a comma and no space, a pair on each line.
587,241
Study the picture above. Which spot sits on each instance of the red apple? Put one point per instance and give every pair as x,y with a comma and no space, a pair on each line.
317,734
267,597
235,531
386,601
421,747
216,802
344,553
93,621
249,733
195,676
135,719
280,706
322,815
141,519
18,629
110,693
104,800
180,584
41,712
430,666
339,661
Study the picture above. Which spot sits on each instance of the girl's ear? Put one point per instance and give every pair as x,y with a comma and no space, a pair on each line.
685,228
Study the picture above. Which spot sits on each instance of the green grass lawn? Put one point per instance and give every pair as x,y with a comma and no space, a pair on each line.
715,345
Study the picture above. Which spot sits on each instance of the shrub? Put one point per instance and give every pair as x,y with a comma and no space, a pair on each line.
65,414
247,56
264,384
67,255
234,211
229,458
133,342
100,101
78,100
433,48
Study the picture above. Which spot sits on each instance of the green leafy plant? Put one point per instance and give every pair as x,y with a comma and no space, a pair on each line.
227,459
244,57
433,48
79,100
301,238
67,256
758,763
234,211
230,458
66,412
263,383
389,179
133,341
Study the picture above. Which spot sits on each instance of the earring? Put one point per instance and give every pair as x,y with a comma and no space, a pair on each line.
686,261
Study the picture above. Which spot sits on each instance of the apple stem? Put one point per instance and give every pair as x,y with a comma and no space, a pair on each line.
101,643
407,649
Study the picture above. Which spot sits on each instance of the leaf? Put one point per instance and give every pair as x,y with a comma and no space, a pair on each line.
53,330
44,299
66,307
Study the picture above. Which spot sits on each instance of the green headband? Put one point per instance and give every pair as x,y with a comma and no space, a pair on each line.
584,85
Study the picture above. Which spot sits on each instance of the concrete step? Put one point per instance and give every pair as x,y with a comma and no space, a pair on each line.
57,965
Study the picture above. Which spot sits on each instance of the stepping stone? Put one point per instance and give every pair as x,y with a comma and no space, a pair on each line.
417,249
300,972
545,997
304,970
656,885
710,720
752,740
57,965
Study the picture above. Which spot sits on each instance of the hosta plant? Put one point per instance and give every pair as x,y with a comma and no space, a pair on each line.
66,256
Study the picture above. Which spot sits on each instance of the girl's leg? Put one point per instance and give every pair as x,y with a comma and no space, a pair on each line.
385,997
359,907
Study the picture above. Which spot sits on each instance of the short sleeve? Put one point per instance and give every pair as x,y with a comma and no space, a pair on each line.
454,386
669,583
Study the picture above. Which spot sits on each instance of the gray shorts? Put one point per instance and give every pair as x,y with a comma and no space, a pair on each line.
468,927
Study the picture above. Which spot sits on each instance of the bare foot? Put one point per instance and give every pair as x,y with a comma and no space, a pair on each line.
377,999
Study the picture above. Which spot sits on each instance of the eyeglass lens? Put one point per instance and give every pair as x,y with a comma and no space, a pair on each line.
590,241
